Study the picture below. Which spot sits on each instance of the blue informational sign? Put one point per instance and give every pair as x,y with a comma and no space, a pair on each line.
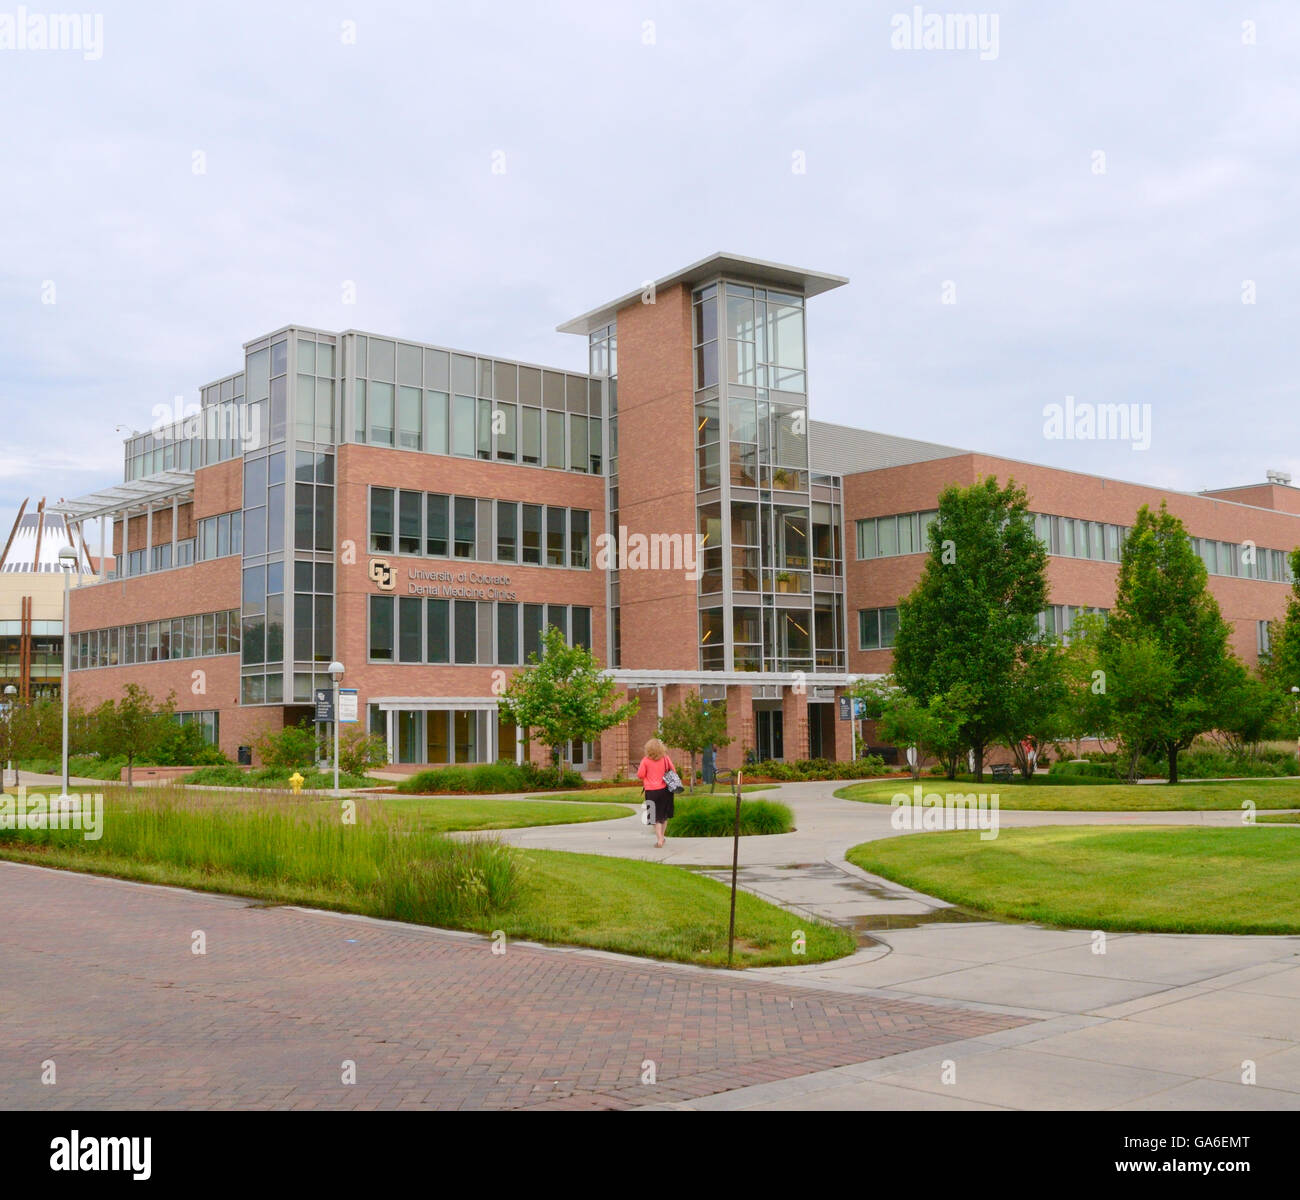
852,707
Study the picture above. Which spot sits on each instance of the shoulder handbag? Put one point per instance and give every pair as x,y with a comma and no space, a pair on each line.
672,781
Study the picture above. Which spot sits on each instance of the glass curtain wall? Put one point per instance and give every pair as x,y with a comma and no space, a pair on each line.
772,552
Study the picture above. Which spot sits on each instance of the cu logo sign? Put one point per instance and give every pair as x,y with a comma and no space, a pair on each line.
382,574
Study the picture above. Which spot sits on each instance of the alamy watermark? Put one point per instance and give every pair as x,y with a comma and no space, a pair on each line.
930,812
650,552
1085,422
921,30
79,811
224,419
24,30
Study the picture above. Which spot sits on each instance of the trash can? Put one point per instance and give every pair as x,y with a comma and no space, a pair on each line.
245,756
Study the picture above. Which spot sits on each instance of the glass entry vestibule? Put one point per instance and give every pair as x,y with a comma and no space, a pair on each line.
445,733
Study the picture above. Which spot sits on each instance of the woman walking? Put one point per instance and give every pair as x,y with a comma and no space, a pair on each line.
651,774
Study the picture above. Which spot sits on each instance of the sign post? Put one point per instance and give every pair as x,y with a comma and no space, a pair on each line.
733,777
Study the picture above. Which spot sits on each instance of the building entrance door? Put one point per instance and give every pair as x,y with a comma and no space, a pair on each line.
821,730
769,731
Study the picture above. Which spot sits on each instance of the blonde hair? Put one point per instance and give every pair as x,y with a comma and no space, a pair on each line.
655,749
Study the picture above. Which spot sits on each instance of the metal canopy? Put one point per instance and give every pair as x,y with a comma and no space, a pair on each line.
124,497
755,270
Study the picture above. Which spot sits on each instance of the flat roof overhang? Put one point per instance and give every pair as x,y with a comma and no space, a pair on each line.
756,270
129,496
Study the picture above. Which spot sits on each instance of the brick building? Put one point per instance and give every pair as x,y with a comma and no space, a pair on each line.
421,515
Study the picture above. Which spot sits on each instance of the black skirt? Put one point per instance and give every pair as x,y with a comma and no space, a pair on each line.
663,804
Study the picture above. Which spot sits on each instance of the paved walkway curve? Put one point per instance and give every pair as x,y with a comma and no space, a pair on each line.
1163,1021
97,975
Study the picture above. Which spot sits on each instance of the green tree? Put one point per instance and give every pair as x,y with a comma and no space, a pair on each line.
133,726
974,614
1161,599
934,729
1083,694
1036,702
1249,709
564,696
694,725
1141,687
1283,666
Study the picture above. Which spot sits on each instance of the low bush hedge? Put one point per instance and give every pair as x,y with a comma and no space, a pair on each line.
1200,762
715,816
273,777
1091,770
803,769
489,778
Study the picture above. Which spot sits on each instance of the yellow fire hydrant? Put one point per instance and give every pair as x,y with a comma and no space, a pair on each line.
295,782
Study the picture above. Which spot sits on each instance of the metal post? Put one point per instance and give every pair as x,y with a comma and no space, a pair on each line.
67,670
735,863
336,738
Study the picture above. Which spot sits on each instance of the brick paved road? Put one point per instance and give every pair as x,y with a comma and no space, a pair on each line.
99,976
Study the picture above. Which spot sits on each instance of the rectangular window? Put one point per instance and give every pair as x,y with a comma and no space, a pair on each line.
508,634
466,631
435,423
531,435
532,544
555,522
867,538
408,629
435,529
485,429
555,439
877,628
381,628
381,520
463,411
507,534
577,442
579,538
887,536
464,543
532,631
408,528
508,438
408,417
439,615
558,616
379,406
582,627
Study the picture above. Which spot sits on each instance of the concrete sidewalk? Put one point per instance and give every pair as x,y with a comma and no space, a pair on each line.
1158,1021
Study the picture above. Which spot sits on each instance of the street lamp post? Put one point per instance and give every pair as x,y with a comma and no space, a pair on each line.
10,693
67,560
336,674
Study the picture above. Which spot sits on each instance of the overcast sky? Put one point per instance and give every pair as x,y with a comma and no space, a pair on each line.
1097,190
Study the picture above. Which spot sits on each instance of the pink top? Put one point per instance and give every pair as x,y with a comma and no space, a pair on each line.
651,772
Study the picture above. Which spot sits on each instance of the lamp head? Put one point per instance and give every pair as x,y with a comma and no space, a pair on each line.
336,671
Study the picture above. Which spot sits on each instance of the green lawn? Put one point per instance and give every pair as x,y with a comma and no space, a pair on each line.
1160,879
442,814
1101,797
659,911
391,862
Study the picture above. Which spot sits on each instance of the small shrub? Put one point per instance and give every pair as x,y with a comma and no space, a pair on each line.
360,752
1089,770
293,747
799,770
490,778
715,816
